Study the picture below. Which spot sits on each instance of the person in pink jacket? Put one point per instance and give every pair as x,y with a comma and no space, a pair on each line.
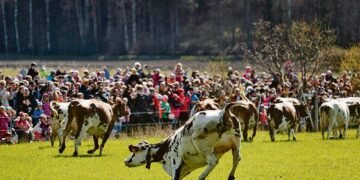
4,122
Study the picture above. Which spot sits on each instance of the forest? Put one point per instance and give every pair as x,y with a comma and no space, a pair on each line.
152,27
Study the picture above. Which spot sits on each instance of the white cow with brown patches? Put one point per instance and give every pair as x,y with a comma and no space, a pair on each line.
202,141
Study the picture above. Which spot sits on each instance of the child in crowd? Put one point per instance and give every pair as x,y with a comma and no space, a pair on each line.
46,104
23,127
166,110
37,112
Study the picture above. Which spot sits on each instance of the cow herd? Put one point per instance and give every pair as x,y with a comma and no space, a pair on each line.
211,130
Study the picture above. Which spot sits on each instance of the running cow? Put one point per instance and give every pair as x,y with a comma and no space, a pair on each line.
202,141
93,117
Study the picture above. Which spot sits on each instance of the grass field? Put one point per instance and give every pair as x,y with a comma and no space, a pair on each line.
308,158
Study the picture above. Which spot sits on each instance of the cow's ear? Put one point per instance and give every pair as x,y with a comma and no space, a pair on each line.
133,148
111,102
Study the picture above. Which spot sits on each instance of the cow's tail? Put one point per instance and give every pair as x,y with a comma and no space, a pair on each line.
229,120
324,118
53,105
256,117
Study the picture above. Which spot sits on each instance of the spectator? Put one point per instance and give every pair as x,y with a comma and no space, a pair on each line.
165,110
36,114
45,127
5,95
32,70
134,78
4,122
178,72
23,127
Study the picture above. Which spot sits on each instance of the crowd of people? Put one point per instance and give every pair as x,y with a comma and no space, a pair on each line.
151,97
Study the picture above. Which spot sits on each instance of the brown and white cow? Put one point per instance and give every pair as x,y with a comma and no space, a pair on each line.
282,118
93,117
201,141
244,111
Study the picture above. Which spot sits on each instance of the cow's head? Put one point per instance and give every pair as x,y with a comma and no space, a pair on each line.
301,109
120,106
141,154
354,109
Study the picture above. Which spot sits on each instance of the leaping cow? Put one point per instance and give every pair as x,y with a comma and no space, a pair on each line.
93,117
201,141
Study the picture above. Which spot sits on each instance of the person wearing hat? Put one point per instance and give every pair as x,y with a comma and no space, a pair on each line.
36,114
4,122
32,70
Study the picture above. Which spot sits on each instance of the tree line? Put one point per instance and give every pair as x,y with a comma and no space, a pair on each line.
117,27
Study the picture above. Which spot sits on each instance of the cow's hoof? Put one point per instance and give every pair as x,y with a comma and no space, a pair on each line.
231,177
91,151
294,138
75,154
62,148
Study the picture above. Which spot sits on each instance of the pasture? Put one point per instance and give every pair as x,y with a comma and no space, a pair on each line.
308,158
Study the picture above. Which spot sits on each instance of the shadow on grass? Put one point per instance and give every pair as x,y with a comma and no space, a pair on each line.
282,141
80,156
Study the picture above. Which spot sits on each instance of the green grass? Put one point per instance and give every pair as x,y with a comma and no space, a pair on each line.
308,158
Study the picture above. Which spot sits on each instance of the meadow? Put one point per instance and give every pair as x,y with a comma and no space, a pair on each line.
308,158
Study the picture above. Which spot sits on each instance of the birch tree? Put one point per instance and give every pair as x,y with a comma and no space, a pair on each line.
4,26
48,25
95,25
126,37
16,26
31,43
133,14
80,21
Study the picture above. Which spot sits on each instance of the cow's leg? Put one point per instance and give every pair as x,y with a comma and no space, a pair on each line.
246,127
358,131
52,139
272,134
80,135
212,161
106,137
289,132
236,159
96,145
64,134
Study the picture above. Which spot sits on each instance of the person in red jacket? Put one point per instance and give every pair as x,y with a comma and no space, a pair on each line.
185,108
